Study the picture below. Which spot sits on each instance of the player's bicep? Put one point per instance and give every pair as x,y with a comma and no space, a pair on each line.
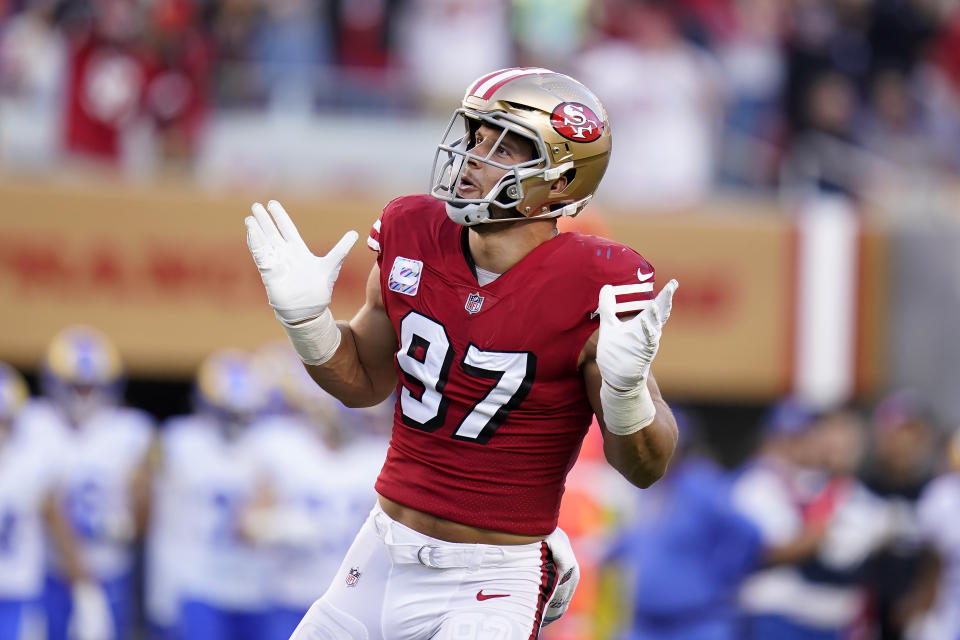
375,338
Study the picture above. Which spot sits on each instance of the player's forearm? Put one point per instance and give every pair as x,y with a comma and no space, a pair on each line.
346,377
63,539
642,457
793,551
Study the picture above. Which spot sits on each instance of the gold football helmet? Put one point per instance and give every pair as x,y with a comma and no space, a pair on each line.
230,383
13,393
82,355
82,372
563,120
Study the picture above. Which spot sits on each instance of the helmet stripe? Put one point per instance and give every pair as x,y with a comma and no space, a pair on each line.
489,85
473,89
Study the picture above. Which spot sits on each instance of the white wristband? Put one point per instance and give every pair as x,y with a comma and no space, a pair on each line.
314,340
626,412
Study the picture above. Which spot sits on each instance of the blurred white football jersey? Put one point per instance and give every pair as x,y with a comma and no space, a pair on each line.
93,467
213,477
26,477
938,512
772,496
327,492
168,532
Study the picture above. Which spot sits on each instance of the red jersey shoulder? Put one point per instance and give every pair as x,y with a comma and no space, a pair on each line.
599,261
415,213
608,262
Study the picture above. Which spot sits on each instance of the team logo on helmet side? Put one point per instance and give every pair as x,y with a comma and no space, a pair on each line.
577,122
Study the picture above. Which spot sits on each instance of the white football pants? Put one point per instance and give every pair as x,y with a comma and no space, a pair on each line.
398,584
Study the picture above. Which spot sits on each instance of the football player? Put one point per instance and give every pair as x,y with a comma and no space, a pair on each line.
934,612
100,448
212,572
320,470
502,338
27,510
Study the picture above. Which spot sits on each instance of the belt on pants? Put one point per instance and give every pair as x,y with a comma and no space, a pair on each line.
432,553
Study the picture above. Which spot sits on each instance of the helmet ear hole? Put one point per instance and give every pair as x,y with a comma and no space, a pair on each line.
508,195
570,175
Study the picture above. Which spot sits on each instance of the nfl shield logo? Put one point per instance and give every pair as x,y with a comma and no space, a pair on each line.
353,577
474,302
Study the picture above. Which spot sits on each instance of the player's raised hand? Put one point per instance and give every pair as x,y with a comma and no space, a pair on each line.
626,349
299,284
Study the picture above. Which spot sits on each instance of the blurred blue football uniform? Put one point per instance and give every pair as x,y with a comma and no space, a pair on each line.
220,577
214,474
25,483
95,464
167,535
688,560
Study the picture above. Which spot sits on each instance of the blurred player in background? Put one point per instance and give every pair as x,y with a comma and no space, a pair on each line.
209,476
320,463
934,610
773,491
485,319
900,465
858,524
687,551
24,485
96,448
804,488
28,508
166,535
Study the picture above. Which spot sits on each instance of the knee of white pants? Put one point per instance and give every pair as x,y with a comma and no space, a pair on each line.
324,621
484,626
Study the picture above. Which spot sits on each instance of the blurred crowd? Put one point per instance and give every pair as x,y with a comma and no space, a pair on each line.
859,96
841,525
227,522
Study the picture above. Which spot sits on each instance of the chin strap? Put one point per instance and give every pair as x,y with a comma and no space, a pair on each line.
462,215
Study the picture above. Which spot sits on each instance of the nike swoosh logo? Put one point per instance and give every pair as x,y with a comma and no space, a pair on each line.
481,596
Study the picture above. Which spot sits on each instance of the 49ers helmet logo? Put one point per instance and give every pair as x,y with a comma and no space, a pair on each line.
575,121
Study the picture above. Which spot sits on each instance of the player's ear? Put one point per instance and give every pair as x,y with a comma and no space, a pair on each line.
559,185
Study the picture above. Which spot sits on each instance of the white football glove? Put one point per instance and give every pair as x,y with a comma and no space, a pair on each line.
299,284
568,575
90,617
625,350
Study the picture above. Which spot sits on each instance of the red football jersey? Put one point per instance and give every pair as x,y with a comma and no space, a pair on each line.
491,406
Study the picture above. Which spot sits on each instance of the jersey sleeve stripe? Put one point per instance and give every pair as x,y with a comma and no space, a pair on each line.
626,307
636,305
373,240
625,289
